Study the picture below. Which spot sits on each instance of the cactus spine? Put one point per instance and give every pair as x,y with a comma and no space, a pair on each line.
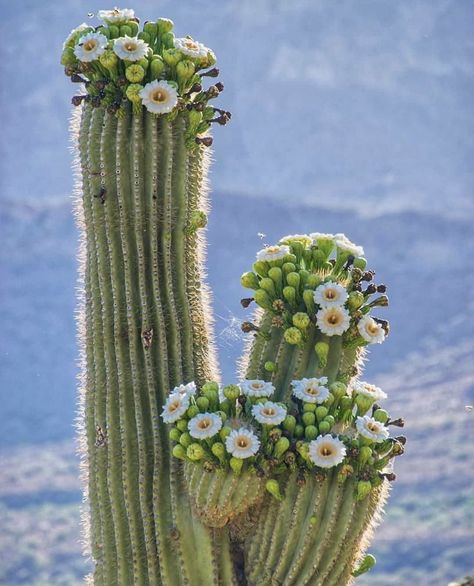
277,480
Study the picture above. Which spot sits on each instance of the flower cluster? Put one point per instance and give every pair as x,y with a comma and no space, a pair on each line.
317,280
122,66
323,426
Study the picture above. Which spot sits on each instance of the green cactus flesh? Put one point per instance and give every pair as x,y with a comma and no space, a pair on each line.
277,480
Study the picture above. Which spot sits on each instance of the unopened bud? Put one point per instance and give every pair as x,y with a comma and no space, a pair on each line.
172,57
367,564
310,432
179,452
156,66
363,489
236,465
356,299
281,446
301,320
185,70
249,281
289,423
195,452
293,336
322,351
273,488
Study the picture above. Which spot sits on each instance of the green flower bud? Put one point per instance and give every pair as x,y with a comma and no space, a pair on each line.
135,73
195,452
363,403
313,281
294,280
192,411
114,31
197,221
236,465
324,427
289,423
156,66
309,418
133,27
125,31
133,94
355,300
164,25
360,263
109,60
346,403
144,36
68,57
338,389
364,455
381,415
261,268
288,267
151,28
185,70
293,336
289,293
269,366
218,449
268,285
262,298
185,440
231,392
211,395
167,39
247,280
321,412
281,446
330,419
298,431
174,434
367,564
224,432
303,449
273,488
172,57
276,275
308,298
322,351
311,432
311,407
363,489
301,320
202,403
179,452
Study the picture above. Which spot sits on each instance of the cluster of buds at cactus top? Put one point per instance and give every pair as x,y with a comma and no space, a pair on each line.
240,428
318,279
124,67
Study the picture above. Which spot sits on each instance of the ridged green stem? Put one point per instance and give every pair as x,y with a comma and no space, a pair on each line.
142,300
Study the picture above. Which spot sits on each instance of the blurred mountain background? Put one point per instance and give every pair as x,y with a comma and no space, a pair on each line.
350,117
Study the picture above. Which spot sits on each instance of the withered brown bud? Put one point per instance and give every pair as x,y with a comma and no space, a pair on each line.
400,422
204,140
370,289
278,305
246,302
402,439
368,276
381,288
220,86
214,72
277,321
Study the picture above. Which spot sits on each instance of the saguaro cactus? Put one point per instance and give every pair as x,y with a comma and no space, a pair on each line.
275,480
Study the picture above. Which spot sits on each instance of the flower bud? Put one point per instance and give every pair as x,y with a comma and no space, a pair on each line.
324,427
355,300
185,440
275,274
364,455
185,70
309,418
202,403
133,93
313,281
248,280
179,452
289,293
224,432
172,57
363,403
322,351
268,285
167,40
360,263
338,389
109,60
301,320
144,36
273,488
367,564
151,28
363,489
309,407
381,415
68,57
231,392
281,446
261,267
211,395
321,412
135,73
289,423
164,25
294,280
303,449
195,452
236,465
218,449
308,298
156,66
174,434
262,298
293,336
288,267
310,431
125,31
192,411
298,431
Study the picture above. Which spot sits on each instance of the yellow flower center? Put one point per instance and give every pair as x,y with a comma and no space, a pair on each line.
269,411
204,424
242,442
130,46
371,426
313,391
257,386
159,96
330,294
191,45
333,318
326,450
90,45
372,328
173,406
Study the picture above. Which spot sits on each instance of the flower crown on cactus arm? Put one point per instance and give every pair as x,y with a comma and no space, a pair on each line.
123,66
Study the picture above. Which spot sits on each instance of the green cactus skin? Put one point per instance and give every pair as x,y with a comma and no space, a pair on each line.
318,532
143,328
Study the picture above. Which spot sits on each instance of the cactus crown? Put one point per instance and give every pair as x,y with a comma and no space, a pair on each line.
123,66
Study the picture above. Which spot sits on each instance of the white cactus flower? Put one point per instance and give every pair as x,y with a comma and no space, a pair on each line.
330,294
256,388
159,97
204,425
370,330
303,238
188,389
371,429
74,32
176,405
333,320
269,413
90,47
130,48
327,451
367,390
345,245
191,48
242,443
311,390
276,252
116,15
